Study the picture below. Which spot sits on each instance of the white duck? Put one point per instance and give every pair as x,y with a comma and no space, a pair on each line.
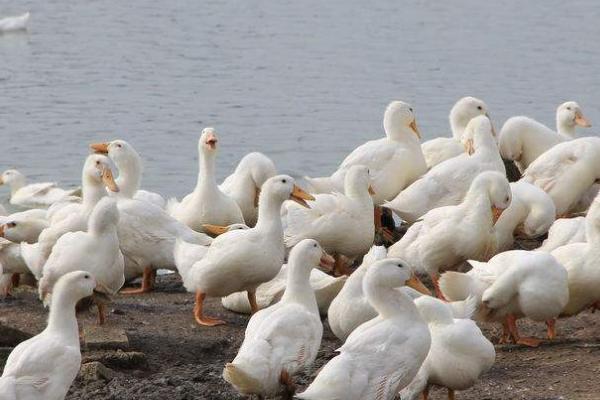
21,227
44,366
95,251
341,223
244,184
129,164
523,139
285,337
12,265
448,236
530,214
33,195
512,285
442,148
72,217
383,355
207,204
17,23
241,260
459,352
447,183
566,171
582,261
564,231
394,162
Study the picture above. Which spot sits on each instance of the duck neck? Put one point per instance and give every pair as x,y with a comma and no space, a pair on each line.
92,192
457,125
298,287
361,194
62,319
206,171
515,214
130,177
269,218
400,133
565,127
389,302
478,201
16,184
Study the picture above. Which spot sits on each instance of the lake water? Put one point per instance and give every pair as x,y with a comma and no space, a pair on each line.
302,81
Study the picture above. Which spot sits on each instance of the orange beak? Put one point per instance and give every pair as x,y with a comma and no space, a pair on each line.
327,262
496,213
211,141
581,120
215,230
371,190
300,196
2,227
99,148
416,284
469,148
413,126
109,180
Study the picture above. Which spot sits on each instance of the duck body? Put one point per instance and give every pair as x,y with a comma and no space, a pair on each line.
11,24
447,183
383,355
459,352
283,338
394,162
341,223
566,171
564,231
44,367
207,204
244,184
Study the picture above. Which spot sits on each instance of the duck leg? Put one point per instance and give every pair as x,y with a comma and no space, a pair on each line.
201,319
425,394
289,386
386,233
148,279
436,285
450,394
339,267
252,300
101,312
16,280
551,324
504,339
514,333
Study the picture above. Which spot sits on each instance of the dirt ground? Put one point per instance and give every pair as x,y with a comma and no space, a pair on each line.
184,361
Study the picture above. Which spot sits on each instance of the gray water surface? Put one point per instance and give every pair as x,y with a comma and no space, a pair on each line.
302,81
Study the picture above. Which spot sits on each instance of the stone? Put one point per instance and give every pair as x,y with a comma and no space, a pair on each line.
95,371
119,359
105,338
10,337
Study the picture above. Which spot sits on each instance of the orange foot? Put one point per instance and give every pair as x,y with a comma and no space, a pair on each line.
529,341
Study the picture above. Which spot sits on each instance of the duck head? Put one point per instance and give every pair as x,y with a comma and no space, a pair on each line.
399,121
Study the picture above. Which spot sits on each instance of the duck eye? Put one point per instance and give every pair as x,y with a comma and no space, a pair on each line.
315,245
86,276
507,199
410,108
569,108
11,224
284,180
97,162
400,266
119,146
479,108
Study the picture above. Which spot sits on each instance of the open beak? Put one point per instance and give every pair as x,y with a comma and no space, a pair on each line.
109,180
581,120
211,141
215,230
469,148
99,148
300,196
2,227
416,284
371,190
256,196
327,262
496,213
413,126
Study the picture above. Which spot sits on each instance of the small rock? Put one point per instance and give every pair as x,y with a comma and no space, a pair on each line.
105,338
95,371
10,337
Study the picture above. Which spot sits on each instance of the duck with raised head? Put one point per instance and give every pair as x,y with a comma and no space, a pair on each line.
129,164
447,183
383,355
33,195
341,223
441,149
95,251
284,338
241,260
44,367
244,184
523,139
96,178
207,204
448,236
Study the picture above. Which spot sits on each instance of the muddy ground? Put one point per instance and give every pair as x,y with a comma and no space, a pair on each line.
184,361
